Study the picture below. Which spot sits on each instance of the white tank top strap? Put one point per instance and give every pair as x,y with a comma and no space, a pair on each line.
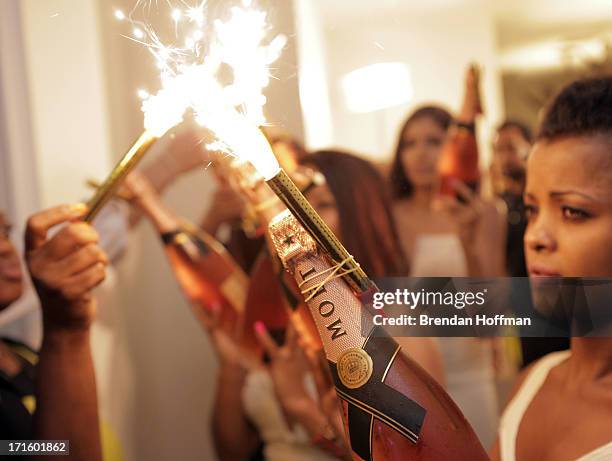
511,419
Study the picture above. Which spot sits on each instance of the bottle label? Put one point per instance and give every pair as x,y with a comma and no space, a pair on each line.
359,365
334,308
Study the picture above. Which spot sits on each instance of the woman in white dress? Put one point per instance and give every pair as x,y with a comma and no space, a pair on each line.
446,237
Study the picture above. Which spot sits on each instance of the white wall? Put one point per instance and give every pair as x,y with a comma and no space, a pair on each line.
437,45
313,76
68,107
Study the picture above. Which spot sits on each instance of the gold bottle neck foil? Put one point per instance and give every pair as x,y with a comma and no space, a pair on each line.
291,196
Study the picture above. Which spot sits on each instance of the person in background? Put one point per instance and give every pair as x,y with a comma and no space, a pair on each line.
511,148
52,396
464,234
562,405
446,236
355,204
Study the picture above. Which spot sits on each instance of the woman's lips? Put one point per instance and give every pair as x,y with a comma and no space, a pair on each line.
541,271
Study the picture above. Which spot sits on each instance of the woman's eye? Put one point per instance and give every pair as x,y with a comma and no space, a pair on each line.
434,142
574,214
407,145
530,211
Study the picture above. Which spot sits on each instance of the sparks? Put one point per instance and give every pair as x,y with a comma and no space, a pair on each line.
120,15
239,44
196,13
190,80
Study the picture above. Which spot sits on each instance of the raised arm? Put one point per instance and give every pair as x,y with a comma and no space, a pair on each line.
64,269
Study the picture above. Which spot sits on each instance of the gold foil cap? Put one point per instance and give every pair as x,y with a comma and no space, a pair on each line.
289,237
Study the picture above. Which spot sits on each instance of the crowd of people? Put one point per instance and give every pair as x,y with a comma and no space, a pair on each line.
548,213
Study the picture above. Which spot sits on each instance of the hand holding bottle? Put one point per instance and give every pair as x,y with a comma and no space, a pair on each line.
465,208
328,400
225,343
288,368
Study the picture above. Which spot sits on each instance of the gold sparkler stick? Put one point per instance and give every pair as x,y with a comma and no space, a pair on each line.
95,185
290,195
112,182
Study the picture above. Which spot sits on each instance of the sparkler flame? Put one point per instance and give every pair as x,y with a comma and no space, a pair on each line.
236,119
196,13
189,80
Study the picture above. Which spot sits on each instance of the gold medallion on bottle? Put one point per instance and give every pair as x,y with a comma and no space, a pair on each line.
354,367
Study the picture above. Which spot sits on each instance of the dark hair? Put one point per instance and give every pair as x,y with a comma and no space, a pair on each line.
584,107
367,226
400,184
525,131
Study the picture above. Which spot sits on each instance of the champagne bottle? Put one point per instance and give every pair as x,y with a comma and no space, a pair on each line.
393,410
273,297
205,271
459,157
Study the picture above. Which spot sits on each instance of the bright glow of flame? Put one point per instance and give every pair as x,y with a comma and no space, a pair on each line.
239,46
176,15
120,15
190,80
236,134
196,13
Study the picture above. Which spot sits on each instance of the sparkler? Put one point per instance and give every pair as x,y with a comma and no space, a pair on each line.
162,111
112,182
233,113
239,46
